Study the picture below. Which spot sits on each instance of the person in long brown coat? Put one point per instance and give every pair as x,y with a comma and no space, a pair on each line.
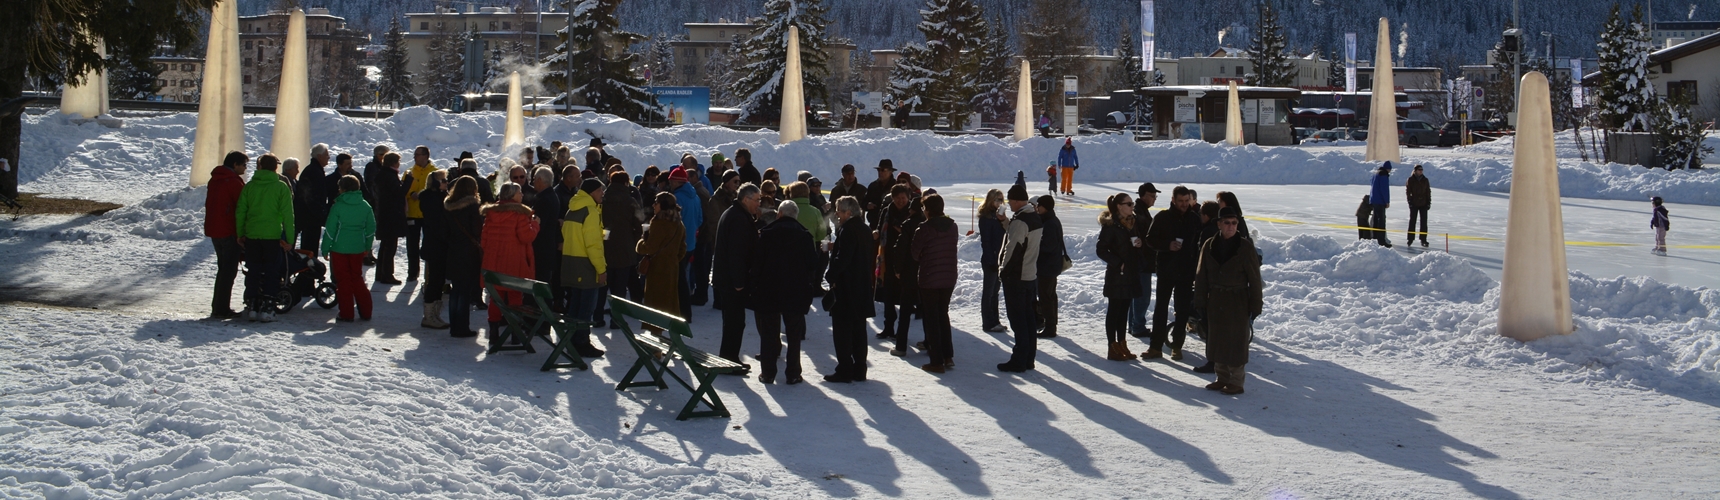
1227,289
664,246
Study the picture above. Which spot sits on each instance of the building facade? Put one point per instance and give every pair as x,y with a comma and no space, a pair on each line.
336,79
1669,33
180,78
706,51
499,36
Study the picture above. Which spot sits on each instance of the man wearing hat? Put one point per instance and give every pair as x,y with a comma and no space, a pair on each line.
878,192
1380,198
1227,291
1145,196
1018,265
1175,239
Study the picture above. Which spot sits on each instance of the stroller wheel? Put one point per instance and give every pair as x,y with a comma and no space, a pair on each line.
325,296
285,301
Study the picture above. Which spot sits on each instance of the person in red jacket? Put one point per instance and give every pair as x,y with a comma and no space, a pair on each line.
509,229
220,204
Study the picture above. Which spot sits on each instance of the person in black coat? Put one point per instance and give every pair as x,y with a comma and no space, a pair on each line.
1145,197
750,173
1175,236
780,272
548,207
343,168
1052,250
899,284
433,246
737,234
849,301
311,201
464,228
1118,248
390,190
878,192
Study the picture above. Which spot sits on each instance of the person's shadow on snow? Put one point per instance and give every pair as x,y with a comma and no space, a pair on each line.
1324,404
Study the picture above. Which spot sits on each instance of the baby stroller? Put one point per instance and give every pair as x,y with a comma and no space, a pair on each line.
305,278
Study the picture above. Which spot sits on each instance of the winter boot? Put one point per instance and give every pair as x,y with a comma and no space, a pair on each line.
495,332
1111,352
433,316
1123,348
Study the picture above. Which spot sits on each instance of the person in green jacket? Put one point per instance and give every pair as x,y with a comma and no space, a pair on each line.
813,218
264,223
346,239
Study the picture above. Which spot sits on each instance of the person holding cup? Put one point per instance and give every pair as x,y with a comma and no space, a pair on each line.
1173,236
1118,248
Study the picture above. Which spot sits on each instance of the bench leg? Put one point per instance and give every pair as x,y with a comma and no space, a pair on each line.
705,393
513,332
563,348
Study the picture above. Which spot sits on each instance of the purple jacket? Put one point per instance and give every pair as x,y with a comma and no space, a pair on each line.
935,250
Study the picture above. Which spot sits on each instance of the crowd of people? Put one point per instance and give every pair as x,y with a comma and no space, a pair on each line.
739,239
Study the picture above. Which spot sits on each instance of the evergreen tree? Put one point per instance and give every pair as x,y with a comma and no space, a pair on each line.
1335,70
720,73
1626,95
939,76
765,56
1269,51
996,77
1678,137
447,61
1501,93
603,74
1128,74
128,79
56,41
396,82
663,60
1051,38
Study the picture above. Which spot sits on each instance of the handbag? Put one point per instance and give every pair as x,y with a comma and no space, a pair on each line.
644,264
1067,263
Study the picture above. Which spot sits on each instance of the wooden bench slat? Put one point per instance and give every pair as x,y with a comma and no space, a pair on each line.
655,354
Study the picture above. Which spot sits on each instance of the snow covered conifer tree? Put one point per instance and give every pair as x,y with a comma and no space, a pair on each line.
1051,36
663,60
938,77
1678,137
1626,95
396,84
603,70
1335,77
765,54
447,61
995,77
1270,52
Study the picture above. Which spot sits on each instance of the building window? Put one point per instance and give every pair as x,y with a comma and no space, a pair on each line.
492,25
425,25
707,52
692,52
161,83
1238,71
185,83
507,25
1221,70
247,45
247,79
440,24
1685,89
722,34
247,61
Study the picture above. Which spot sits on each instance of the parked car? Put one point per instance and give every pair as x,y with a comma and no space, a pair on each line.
1140,132
1479,131
1359,134
1415,133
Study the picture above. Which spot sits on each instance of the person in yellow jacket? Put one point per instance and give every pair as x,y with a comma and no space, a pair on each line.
420,177
583,269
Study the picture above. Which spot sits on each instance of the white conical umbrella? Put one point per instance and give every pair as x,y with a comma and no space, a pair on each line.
792,126
1382,119
292,137
221,107
1233,119
1024,104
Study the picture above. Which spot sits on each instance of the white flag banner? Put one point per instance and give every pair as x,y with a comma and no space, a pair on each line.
1576,82
1147,36
1349,62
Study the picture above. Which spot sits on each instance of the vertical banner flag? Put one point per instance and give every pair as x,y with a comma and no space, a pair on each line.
1350,62
1576,82
1147,53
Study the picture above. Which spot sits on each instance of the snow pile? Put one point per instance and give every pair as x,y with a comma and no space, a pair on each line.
1362,298
149,155
175,408
173,215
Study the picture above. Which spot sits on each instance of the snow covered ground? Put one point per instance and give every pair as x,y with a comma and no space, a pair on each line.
1376,372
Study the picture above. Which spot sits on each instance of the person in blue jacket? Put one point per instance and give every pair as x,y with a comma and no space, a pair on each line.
1380,198
693,218
1067,162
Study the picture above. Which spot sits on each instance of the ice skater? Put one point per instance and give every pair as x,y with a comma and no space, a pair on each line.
1381,199
1067,163
1362,228
1661,222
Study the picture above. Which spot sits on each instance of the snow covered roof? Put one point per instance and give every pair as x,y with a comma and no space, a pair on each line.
1220,90
1673,53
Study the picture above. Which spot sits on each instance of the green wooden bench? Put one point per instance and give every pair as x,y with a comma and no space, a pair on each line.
534,314
655,354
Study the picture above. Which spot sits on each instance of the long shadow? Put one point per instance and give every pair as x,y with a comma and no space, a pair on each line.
910,434
1366,422
829,454
1023,416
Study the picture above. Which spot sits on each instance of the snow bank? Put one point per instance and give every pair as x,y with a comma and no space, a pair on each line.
1323,295
149,155
153,416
